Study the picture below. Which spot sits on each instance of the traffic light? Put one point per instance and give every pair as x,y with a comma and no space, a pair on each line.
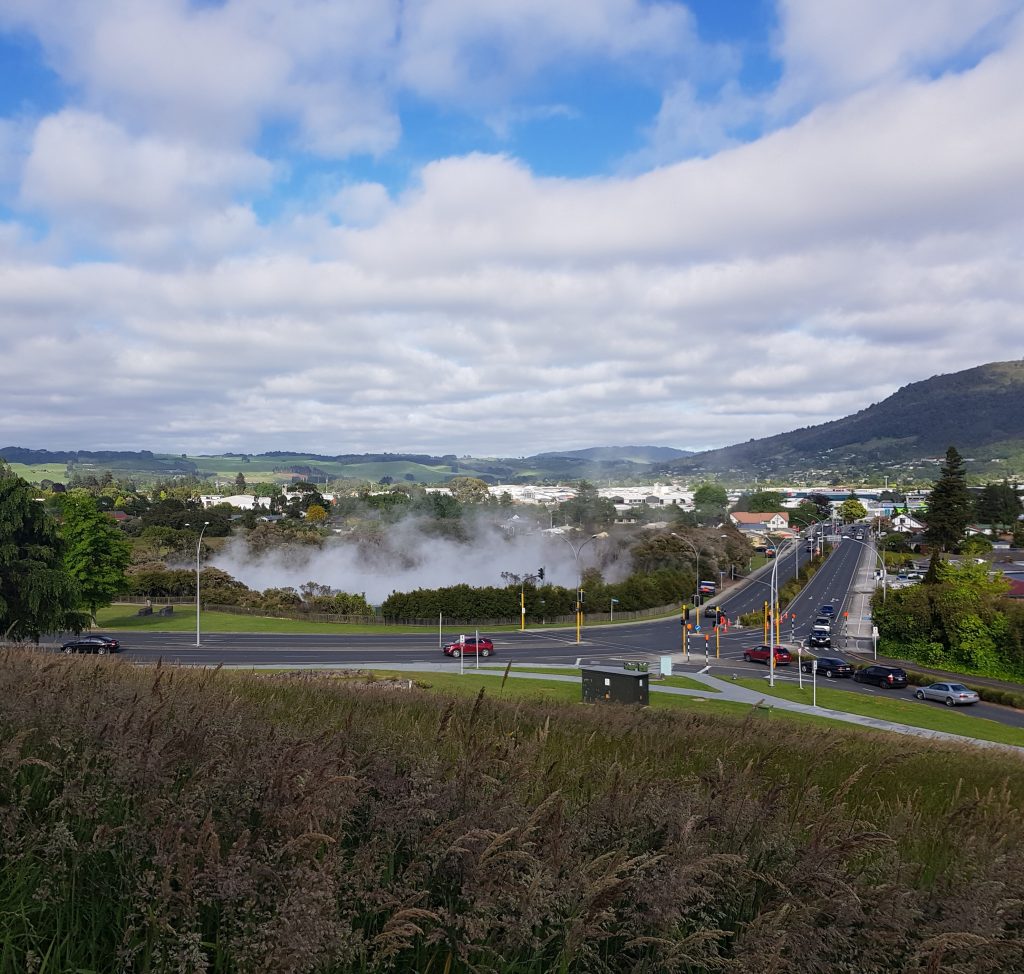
686,614
540,573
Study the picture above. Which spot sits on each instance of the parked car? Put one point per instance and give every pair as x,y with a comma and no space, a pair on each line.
827,610
831,666
93,643
886,677
951,694
761,654
471,646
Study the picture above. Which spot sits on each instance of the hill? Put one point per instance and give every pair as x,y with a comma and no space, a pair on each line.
979,410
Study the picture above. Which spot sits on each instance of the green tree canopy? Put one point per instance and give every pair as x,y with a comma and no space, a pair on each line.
468,490
96,553
949,506
710,497
37,594
587,510
852,510
998,504
760,502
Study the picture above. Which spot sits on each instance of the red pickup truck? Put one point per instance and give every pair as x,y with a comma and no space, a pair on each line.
760,654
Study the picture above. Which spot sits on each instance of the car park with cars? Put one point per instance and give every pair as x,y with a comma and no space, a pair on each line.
951,694
92,643
762,654
470,646
830,666
886,677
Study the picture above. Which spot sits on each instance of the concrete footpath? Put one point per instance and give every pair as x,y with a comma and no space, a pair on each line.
718,690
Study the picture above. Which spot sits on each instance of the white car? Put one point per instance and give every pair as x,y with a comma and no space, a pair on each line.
951,694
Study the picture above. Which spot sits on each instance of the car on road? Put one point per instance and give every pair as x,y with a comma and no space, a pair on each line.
886,677
830,666
827,610
820,637
712,611
471,646
951,694
93,643
761,654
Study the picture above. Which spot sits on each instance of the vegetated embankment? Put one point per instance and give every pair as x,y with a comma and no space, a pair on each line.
181,820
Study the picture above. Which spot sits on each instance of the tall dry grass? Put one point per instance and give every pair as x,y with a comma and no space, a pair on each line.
158,820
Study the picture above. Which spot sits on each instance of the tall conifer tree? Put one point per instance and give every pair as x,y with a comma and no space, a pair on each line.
949,506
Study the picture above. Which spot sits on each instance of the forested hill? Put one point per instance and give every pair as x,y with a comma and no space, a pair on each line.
979,410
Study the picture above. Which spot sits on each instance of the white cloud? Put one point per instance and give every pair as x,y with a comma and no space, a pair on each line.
88,174
778,283
834,48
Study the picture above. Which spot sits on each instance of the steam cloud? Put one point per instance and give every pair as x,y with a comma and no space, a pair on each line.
406,558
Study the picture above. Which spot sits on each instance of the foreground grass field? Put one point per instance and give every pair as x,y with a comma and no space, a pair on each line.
162,820
911,712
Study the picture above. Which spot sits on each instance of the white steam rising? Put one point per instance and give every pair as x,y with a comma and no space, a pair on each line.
405,558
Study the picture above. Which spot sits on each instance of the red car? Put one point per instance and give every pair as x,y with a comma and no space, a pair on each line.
470,647
760,654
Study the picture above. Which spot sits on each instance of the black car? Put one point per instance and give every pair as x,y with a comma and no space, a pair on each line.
830,666
886,677
94,643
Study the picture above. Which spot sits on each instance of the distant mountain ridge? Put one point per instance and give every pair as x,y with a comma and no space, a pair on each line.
979,410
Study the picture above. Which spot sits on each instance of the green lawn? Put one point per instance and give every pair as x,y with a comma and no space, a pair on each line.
471,682
115,617
125,616
931,716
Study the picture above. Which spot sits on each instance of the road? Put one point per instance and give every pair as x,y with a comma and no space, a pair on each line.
831,585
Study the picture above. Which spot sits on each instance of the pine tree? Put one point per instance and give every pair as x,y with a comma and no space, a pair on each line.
949,506
37,594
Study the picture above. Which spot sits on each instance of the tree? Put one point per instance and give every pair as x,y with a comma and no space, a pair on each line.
468,490
316,514
710,497
37,594
240,481
852,510
949,505
998,504
96,553
587,510
760,502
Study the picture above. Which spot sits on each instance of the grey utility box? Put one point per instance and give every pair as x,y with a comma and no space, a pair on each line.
613,684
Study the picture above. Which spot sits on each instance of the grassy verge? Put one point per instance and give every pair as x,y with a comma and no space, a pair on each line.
183,619
118,617
914,713
177,819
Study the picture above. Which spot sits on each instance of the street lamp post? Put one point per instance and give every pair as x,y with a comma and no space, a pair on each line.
576,549
612,609
199,547
775,612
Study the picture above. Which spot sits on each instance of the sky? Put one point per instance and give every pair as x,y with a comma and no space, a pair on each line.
497,227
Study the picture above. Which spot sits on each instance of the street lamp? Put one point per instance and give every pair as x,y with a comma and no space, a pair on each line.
576,549
775,610
199,546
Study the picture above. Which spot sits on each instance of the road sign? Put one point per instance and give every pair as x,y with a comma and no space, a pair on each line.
696,628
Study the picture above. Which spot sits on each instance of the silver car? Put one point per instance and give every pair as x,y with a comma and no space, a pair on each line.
951,694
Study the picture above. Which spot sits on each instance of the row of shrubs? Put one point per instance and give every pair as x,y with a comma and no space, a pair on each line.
642,590
218,587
